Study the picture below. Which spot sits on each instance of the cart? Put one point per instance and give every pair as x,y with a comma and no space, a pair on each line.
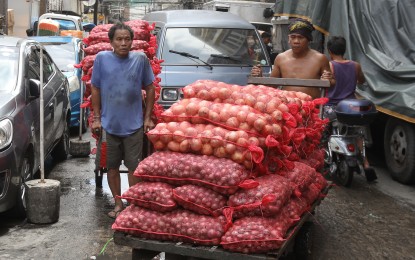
299,238
298,244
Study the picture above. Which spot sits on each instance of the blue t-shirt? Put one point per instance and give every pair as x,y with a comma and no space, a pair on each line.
120,81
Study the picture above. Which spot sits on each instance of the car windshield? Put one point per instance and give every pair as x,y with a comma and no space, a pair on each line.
215,46
63,54
9,61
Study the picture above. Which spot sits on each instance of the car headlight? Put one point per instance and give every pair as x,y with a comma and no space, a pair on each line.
170,94
6,133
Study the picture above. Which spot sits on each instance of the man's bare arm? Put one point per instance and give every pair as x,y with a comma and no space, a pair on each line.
325,70
96,106
276,73
150,96
360,76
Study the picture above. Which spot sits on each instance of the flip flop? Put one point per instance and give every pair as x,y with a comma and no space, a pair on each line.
114,213
370,174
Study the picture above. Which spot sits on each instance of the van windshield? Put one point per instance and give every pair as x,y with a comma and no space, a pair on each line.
63,54
9,62
216,46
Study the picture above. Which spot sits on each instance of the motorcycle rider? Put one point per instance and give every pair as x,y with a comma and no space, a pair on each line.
347,73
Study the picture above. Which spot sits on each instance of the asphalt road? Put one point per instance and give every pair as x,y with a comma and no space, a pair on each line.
365,221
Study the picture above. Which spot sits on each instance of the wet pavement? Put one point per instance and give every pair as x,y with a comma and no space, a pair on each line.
360,222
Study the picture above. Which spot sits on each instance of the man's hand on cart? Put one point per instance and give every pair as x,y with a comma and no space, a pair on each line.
148,125
96,126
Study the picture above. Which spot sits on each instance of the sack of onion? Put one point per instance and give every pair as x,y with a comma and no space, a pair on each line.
267,199
200,200
178,225
156,196
219,174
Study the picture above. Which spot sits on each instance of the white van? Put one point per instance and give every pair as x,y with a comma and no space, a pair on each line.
66,22
204,44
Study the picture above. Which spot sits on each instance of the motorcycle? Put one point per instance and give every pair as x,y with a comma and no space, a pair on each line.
346,145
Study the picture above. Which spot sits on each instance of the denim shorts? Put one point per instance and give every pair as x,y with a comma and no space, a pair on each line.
128,148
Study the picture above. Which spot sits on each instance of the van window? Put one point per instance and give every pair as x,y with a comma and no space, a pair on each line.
216,46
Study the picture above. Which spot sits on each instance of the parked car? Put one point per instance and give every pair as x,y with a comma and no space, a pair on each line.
202,44
66,51
20,116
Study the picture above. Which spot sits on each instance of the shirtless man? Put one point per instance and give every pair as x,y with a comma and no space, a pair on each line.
300,61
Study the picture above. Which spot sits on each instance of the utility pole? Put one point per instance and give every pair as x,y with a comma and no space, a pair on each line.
42,7
3,16
96,12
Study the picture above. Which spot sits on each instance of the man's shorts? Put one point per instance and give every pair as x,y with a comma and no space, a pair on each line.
129,149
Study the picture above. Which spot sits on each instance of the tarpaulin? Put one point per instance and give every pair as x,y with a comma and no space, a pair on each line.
380,36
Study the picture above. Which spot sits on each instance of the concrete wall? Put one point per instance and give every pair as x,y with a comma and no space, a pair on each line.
22,17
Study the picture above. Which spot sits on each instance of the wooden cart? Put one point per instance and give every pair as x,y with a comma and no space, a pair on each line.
298,243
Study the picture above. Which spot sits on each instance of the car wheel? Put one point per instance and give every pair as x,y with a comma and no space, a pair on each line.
61,151
399,144
25,175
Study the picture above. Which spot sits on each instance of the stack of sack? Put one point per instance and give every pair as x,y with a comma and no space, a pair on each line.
235,166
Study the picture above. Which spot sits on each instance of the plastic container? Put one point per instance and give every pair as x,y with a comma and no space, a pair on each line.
356,111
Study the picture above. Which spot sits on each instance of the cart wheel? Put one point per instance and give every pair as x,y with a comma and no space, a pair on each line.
303,242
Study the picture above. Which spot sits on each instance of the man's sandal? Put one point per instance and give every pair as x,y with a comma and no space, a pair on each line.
114,213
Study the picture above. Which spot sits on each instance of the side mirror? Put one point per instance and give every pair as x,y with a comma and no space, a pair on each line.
34,88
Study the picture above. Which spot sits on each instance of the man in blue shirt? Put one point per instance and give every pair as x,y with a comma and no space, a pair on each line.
117,79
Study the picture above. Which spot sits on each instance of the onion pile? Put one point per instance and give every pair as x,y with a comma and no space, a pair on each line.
156,196
295,112
207,139
232,117
106,46
219,174
177,225
200,200
246,154
295,207
311,193
301,176
256,234
267,199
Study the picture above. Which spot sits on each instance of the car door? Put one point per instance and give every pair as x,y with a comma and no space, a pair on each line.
55,84
33,56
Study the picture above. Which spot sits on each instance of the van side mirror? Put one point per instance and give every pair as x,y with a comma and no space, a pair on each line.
34,88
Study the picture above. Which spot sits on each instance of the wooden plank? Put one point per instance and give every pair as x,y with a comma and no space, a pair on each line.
184,249
268,81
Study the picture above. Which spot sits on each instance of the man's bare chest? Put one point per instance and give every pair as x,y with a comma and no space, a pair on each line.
303,69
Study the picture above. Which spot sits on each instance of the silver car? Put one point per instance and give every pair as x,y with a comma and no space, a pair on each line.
20,116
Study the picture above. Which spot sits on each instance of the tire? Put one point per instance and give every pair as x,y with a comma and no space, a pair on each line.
344,174
61,151
399,148
25,174
304,242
